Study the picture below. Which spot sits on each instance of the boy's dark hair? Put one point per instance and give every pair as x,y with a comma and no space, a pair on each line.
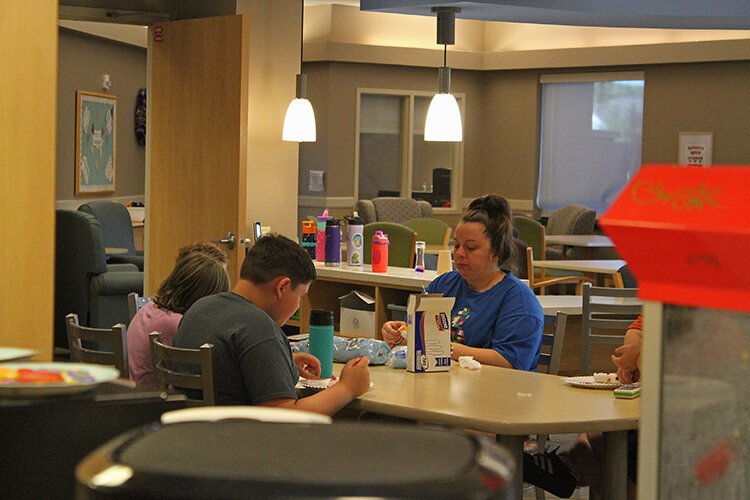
273,256
195,276
494,213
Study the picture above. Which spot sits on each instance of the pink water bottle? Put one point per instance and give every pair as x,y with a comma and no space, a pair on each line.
380,252
320,240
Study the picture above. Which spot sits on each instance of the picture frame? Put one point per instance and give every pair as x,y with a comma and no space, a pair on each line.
96,143
695,149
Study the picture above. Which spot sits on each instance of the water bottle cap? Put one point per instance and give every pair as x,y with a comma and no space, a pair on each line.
380,238
354,220
318,317
420,244
332,222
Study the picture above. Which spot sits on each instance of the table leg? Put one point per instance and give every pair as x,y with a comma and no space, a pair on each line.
515,447
615,465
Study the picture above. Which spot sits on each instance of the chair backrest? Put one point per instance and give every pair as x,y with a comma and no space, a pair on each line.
625,278
571,219
117,226
79,255
87,345
135,302
401,248
170,368
606,316
392,209
431,231
531,231
553,337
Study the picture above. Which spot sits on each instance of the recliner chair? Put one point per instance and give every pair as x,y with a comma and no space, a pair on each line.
84,283
117,230
570,219
392,209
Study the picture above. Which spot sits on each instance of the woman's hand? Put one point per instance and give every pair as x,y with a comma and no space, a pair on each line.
392,334
307,365
625,358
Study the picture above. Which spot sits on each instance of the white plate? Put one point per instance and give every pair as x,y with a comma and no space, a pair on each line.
15,354
321,383
99,374
587,382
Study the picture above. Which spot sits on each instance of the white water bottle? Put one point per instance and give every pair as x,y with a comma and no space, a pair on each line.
355,254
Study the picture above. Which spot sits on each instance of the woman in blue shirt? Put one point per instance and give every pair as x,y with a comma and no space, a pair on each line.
496,318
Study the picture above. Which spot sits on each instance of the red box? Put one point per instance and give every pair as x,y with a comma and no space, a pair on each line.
685,234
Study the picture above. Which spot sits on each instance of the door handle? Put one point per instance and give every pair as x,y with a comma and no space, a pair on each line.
229,240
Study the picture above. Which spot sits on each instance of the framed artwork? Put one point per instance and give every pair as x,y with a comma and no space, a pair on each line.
695,149
96,144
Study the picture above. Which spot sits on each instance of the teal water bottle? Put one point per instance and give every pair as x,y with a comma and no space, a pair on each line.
321,340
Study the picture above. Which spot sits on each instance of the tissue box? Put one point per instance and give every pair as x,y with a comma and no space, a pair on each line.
429,333
357,314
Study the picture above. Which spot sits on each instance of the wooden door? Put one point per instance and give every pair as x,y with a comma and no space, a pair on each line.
197,143
28,127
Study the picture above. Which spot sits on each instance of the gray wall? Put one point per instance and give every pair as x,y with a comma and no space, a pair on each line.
83,59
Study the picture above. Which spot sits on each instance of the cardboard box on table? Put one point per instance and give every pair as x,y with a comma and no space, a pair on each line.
428,318
357,313
684,232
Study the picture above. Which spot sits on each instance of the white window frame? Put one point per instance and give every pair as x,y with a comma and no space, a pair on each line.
457,178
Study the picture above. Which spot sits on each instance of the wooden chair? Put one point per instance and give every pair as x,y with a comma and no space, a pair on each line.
553,337
168,368
601,315
624,278
86,344
135,302
402,240
577,280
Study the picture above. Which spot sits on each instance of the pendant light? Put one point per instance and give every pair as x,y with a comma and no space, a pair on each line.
443,121
299,122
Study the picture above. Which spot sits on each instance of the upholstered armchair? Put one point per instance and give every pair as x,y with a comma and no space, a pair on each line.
570,219
391,209
84,283
117,230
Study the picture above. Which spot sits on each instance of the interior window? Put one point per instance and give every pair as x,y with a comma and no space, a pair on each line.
591,131
394,159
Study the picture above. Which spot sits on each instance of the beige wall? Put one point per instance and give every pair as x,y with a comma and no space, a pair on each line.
502,119
711,97
82,61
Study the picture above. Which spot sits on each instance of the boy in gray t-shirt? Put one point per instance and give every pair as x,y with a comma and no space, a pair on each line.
253,363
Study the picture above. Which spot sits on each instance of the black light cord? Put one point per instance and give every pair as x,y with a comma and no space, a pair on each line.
301,34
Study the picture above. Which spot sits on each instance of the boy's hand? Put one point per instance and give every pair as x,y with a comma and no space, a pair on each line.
307,365
391,333
356,376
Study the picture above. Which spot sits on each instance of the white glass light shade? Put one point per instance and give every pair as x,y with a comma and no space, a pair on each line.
299,122
443,121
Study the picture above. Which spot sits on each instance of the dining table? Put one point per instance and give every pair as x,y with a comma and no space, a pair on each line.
592,268
510,404
590,243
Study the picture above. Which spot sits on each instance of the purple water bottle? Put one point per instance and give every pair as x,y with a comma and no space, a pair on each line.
333,242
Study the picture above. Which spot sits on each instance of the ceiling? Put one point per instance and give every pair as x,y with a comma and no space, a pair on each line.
679,14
